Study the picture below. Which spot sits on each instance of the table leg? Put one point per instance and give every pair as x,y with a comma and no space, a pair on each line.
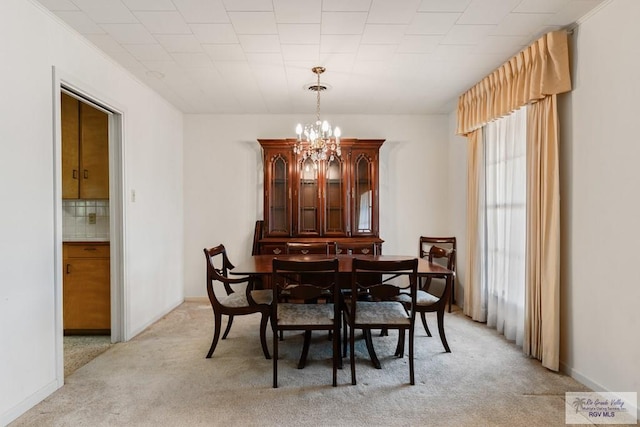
305,349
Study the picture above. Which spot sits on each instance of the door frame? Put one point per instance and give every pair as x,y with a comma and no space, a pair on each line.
117,206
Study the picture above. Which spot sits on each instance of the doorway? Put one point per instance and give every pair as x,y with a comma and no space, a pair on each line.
98,220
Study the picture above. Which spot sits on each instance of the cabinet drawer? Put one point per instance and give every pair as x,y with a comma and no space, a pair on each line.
273,249
85,250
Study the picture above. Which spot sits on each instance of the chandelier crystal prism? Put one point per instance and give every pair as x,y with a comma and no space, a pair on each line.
318,140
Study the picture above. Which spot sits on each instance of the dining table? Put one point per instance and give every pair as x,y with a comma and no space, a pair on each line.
262,265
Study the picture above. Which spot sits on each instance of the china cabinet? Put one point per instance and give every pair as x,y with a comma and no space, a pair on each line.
332,200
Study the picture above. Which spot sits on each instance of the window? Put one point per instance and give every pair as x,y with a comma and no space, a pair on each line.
503,266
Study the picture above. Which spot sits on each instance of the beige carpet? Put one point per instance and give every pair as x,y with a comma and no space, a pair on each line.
161,378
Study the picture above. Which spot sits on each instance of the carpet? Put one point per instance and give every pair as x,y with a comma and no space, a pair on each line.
162,378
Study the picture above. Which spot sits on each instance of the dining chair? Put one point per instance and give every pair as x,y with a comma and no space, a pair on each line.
448,243
356,248
309,305
381,310
233,296
304,248
428,300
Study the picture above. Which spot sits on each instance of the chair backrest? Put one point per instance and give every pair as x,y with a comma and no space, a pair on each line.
257,235
290,277
448,255
218,266
303,248
383,289
356,248
446,243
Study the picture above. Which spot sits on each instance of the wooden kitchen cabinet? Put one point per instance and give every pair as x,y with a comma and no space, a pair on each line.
85,150
333,200
86,288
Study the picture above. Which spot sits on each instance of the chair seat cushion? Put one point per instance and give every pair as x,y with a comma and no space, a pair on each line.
305,314
388,312
239,299
422,298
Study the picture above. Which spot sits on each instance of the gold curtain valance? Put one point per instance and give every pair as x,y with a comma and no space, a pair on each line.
539,70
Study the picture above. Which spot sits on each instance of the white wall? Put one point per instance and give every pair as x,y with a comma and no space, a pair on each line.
31,42
600,205
223,180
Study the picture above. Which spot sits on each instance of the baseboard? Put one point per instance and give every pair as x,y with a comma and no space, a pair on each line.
196,299
582,379
153,320
28,403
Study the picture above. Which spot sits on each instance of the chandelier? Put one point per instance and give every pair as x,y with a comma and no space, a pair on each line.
317,140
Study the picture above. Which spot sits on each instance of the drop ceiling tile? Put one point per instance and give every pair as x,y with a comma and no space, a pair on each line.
127,60
453,51
467,34
214,33
299,33
149,4
338,62
106,12
443,5
383,34
105,42
129,33
392,11
192,59
202,11
540,6
521,24
376,52
297,11
54,5
80,22
432,23
253,22
267,60
484,12
418,44
346,5
248,5
300,52
339,43
224,52
260,43
174,43
163,22
343,22
148,52
505,45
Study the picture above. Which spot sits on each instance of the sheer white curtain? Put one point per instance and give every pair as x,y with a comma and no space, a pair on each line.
504,233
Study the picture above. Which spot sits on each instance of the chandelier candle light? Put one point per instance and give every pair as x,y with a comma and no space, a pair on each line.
317,140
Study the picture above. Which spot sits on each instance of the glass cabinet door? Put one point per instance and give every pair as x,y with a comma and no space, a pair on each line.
308,198
279,197
334,198
363,186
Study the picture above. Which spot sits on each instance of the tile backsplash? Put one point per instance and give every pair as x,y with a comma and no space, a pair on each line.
75,220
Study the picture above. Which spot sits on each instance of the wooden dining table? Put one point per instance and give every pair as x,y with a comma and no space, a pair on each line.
262,265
